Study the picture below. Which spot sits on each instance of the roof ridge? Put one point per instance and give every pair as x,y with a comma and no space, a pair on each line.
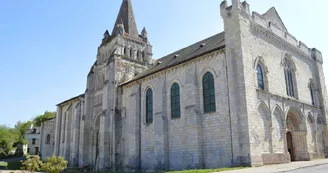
210,44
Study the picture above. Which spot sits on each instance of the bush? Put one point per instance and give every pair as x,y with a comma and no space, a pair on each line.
55,164
32,164
3,165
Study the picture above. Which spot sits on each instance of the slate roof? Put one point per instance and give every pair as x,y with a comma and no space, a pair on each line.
127,17
200,48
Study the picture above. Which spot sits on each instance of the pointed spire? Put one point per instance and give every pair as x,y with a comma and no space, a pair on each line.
126,17
106,34
144,33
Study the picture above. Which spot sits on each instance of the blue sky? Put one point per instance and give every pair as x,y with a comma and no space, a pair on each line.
48,47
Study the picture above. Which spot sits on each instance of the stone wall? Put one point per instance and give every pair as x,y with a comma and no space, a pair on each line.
47,146
195,140
67,133
263,39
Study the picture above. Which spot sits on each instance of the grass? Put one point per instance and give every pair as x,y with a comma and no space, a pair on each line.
3,164
189,171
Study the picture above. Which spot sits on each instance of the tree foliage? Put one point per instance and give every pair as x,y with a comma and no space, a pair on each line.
41,118
32,164
22,127
55,164
8,137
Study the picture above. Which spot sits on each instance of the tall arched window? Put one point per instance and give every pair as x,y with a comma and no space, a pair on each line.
175,101
209,93
311,88
125,50
48,139
260,79
289,77
149,106
131,52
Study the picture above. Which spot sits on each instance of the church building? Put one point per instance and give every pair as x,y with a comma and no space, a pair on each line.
248,96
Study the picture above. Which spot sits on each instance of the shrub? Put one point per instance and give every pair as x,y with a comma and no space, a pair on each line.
55,164
32,164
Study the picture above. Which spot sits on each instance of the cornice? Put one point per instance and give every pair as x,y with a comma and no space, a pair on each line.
168,70
270,35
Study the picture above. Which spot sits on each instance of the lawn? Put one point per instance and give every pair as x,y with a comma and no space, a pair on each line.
189,171
3,164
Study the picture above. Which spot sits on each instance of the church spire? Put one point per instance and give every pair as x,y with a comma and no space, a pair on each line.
126,17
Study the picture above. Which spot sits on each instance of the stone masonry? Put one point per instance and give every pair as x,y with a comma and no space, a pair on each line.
276,116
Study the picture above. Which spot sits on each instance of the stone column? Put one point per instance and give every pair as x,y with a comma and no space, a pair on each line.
285,139
322,90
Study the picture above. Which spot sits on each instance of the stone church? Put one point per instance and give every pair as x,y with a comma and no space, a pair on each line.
250,95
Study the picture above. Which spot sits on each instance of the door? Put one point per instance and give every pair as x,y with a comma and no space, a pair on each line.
36,150
290,146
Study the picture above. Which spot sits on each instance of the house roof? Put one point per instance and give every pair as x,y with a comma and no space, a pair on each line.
200,48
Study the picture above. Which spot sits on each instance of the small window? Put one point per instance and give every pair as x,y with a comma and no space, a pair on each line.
175,101
260,79
33,141
34,131
149,106
209,93
48,139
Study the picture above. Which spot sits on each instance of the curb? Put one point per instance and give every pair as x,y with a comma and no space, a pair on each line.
319,164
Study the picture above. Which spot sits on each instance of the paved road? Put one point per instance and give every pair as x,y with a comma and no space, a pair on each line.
316,169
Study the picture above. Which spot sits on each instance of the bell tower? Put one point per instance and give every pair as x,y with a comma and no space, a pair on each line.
134,46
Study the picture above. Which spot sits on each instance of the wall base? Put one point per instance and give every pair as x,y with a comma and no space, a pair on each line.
276,158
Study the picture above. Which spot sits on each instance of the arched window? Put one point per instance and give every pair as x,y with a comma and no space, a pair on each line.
175,101
289,77
209,93
260,79
149,106
311,88
131,52
125,50
48,139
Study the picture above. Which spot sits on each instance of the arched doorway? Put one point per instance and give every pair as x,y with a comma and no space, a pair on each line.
290,146
296,141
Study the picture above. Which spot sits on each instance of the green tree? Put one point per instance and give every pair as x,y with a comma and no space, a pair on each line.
55,164
22,128
32,164
8,137
41,118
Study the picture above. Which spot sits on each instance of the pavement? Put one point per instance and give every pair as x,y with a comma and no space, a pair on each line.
316,169
288,167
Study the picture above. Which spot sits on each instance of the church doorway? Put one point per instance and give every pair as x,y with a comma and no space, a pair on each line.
290,146
296,140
